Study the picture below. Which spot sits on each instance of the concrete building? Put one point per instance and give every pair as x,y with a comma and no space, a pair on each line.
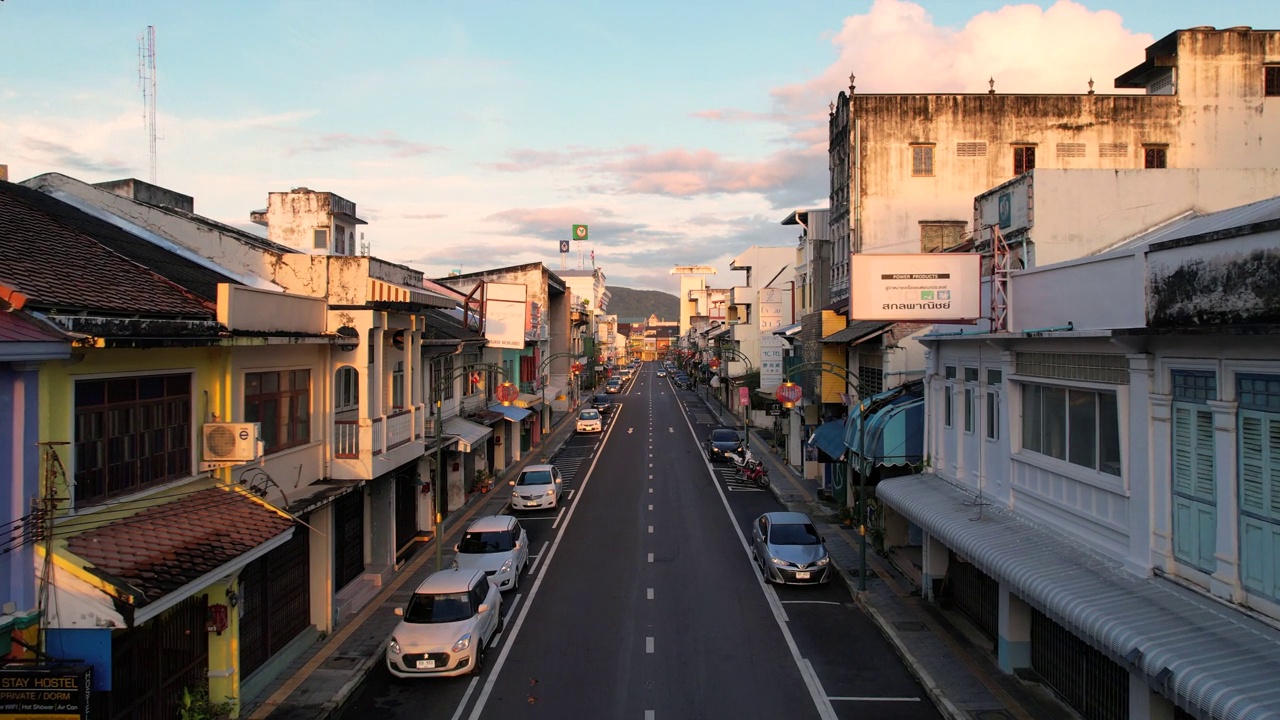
1100,487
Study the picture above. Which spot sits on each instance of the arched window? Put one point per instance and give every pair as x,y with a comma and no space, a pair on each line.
346,389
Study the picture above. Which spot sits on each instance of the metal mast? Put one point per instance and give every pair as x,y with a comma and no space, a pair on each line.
999,281
147,81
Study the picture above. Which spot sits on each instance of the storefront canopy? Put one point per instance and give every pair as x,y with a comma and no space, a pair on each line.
894,433
829,439
467,432
511,412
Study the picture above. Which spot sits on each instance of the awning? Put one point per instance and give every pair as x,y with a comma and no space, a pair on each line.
487,417
525,400
858,332
894,433
382,291
788,330
151,563
1224,664
829,438
510,412
723,330
467,432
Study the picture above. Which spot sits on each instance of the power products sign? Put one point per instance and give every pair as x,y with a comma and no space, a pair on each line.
55,693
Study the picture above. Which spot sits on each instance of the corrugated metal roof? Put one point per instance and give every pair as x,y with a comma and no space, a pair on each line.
858,331
1224,664
1200,223
467,432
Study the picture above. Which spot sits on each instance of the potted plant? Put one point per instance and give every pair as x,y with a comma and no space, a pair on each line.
196,705
848,514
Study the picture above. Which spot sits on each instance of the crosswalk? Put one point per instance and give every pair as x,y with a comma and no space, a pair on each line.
570,458
733,481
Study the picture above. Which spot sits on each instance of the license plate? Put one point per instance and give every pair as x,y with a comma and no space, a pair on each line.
531,503
802,575
426,664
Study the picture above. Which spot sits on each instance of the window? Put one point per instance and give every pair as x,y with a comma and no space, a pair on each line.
970,399
281,401
948,411
346,389
397,385
1195,517
442,379
1024,158
130,434
320,238
921,160
994,378
938,235
1078,425
1271,81
870,374
1259,471
1155,156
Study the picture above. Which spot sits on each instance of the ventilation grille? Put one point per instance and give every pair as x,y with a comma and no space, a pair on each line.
1070,150
1075,366
971,149
1113,150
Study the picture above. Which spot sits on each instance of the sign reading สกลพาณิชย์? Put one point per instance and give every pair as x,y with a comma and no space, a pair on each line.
53,693
929,287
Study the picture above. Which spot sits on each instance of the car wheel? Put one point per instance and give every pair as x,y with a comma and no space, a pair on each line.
502,623
515,585
478,664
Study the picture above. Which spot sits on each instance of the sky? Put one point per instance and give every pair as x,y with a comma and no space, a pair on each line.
474,135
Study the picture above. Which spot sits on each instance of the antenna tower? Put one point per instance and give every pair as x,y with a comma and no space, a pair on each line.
147,81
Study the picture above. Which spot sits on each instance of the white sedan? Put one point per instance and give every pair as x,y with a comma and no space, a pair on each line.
589,421
662,373
538,487
497,545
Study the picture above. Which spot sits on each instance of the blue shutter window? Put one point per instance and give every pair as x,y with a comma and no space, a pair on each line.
1259,473
1195,512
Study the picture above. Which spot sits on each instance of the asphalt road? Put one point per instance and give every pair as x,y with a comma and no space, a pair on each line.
642,601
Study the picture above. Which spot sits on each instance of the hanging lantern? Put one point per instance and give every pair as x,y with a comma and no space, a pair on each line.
715,363
788,393
507,393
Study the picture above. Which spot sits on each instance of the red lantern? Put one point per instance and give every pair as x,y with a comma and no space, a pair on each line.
577,368
507,393
788,393
715,363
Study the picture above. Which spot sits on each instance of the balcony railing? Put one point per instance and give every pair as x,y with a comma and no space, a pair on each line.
399,429
346,438
378,436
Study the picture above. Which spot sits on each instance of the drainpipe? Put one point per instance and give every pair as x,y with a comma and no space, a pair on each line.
1059,328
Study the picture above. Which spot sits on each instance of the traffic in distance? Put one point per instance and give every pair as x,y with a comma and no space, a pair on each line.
640,572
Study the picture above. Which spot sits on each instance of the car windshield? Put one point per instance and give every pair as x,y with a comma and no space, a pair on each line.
793,534
485,542
615,381
441,608
535,477
589,415
602,399
724,435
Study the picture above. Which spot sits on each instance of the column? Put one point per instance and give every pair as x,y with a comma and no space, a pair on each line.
1145,703
224,648
1013,649
933,561
382,523
1135,459
1158,439
1225,582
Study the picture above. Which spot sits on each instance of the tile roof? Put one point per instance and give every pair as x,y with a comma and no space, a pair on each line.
51,252
15,328
167,546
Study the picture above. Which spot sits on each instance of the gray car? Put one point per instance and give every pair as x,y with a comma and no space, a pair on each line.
789,550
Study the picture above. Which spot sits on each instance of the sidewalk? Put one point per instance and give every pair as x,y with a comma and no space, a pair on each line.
317,683
954,662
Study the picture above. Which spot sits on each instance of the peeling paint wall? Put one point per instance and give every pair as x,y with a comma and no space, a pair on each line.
1233,281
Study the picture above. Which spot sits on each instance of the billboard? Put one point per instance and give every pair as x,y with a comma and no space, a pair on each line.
504,314
924,287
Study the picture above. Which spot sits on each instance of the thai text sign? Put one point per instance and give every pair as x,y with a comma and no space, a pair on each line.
57,693
929,287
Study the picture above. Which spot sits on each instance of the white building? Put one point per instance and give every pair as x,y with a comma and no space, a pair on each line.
1104,487
764,302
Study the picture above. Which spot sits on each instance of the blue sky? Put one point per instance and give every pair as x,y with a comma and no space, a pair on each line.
472,135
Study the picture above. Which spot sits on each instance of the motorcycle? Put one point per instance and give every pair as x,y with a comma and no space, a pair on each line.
749,468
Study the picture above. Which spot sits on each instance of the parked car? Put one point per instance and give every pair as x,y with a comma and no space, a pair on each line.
449,623
538,486
789,550
496,545
682,381
603,403
723,440
590,421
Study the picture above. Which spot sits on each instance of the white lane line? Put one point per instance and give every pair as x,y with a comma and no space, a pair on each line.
541,551
514,601
650,507
530,519
651,489
816,693
524,611
812,602
650,529
650,557
876,699
648,594
465,697
558,516
648,645
648,715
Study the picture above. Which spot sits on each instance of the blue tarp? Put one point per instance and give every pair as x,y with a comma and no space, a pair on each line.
829,438
513,413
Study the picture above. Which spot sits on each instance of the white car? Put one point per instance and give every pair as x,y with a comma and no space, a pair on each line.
538,487
450,621
497,545
589,421
662,373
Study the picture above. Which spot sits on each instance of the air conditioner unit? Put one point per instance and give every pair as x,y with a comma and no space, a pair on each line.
231,442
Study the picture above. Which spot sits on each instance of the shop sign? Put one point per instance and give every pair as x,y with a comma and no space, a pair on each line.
52,693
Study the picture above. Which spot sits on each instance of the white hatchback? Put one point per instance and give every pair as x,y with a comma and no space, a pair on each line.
538,487
590,421
497,545
450,621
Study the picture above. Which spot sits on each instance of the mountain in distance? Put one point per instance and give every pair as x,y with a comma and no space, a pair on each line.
637,305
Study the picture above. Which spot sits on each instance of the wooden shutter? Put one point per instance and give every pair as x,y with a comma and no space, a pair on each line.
1195,517
1260,502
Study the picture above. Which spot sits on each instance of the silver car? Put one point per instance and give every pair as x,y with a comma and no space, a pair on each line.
538,487
497,545
789,550
450,621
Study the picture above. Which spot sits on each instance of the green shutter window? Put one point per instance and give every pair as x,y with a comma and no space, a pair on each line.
1195,516
1260,502
1253,462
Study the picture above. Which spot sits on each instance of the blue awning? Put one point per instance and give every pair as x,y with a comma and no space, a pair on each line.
513,413
829,439
895,428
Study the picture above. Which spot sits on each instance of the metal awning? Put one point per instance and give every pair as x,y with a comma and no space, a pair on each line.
1222,663
858,332
511,412
467,432
829,438
894,433
788,330
525,400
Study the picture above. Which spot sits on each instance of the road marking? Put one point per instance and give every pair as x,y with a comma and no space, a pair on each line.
648,645
558,516
648,715
650,529
648,594
568,494
878,698
514,601
650,489
541,551
650,507
466,696
811,602
650,557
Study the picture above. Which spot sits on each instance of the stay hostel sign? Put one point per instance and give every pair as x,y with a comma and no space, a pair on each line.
56,693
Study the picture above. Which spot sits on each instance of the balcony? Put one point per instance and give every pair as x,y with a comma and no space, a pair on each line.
364,448
742,295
